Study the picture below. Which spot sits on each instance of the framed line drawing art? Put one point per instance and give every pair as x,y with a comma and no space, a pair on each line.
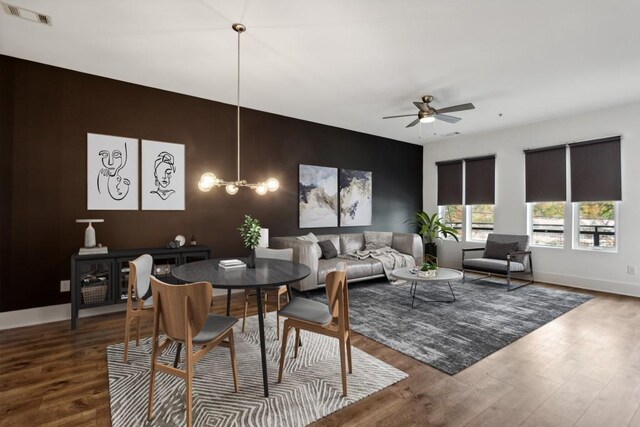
112,172
317,196
163,176
356,197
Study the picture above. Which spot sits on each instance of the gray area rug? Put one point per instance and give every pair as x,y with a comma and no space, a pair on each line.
310,390
451,337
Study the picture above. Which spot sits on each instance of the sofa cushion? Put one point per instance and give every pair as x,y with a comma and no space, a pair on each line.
355,268
497,250
329,250
351,242
494,265
376,266
377,239
334,238
312,238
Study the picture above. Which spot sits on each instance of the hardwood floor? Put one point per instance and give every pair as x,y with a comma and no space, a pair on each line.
581,369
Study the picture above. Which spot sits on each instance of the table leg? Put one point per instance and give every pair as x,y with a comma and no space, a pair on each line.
263,353
414,285
177,359
228,302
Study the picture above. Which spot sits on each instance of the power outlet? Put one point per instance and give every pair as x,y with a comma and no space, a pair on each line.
65,285
632,269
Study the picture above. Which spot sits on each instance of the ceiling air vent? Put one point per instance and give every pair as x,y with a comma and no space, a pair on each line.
27,14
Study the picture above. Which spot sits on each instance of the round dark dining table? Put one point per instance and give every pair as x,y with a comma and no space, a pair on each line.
267,273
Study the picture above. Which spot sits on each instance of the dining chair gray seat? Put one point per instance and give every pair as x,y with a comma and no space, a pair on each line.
307,311
213,326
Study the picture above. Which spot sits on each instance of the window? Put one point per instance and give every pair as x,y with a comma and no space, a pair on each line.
452,216
547,224
481,223
595,225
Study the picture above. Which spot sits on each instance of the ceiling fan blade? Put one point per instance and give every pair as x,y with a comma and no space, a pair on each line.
421,106
394,117
413,123
461,107
448,119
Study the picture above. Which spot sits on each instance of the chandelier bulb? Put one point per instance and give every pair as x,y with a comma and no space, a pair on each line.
231,189
272,184
261,189
207,181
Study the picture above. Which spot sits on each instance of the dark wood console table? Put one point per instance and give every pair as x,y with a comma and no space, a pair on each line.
102,279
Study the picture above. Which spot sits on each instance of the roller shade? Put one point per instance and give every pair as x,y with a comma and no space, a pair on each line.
546,174
480,180
449,183
595,170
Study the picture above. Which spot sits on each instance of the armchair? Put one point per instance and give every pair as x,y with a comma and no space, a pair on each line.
504,255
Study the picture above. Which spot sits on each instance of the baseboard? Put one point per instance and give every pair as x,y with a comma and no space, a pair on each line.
608,286
60,312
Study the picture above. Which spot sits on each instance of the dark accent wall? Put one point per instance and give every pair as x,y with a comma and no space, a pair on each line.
46,115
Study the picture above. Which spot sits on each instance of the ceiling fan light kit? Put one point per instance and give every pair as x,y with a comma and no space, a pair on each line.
428,114
208,180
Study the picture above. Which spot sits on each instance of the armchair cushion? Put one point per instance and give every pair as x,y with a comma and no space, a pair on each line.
492,265
497,250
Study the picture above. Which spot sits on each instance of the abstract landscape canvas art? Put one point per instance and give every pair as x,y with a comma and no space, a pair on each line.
318,196
356,191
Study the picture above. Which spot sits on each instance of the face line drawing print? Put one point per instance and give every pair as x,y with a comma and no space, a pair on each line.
163,170
109,175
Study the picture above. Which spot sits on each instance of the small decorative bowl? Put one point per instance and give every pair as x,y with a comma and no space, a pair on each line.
427,274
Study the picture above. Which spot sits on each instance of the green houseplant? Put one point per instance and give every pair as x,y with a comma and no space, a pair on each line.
428,269
250,233
432,230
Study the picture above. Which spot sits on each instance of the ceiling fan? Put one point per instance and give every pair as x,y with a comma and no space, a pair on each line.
428,114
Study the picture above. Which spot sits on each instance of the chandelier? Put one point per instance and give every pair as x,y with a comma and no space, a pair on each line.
208,180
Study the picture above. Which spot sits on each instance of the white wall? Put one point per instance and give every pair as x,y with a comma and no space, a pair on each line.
585,269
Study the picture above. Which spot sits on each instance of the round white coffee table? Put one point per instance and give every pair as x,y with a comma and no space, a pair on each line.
444,275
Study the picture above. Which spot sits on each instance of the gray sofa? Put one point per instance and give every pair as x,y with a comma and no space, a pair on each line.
357,270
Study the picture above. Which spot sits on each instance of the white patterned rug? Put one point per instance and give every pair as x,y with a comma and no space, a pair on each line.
311,388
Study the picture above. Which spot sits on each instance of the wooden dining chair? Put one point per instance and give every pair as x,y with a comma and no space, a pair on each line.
139,301
332,320
277,291
184,313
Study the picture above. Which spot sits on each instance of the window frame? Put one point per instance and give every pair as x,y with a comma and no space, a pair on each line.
468,219
530,226
575,238
441,214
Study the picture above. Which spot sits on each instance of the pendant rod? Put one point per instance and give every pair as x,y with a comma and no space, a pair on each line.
239,30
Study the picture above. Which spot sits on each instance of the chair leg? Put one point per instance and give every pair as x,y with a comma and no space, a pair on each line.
266,306
232,350
349,352
295,351
343,367
138,333
152,377
189,379
285,333
127,327
246,306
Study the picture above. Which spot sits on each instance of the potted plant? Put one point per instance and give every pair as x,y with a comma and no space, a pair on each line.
250,233
432,230
428,269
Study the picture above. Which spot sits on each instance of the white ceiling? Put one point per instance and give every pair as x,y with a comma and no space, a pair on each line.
347,63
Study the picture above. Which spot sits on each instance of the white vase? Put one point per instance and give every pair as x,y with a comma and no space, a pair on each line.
90,237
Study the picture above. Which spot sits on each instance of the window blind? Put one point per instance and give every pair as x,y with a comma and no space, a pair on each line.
449,182
595,170
546,174
480,180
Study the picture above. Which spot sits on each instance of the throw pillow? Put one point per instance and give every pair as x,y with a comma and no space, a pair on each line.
312,238
495,250
328,249
377,239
